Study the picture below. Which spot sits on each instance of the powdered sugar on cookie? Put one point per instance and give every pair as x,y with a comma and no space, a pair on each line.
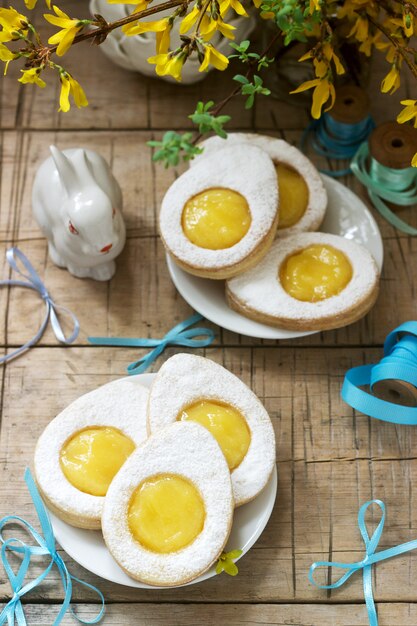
185,379
248,171
185,449
121,404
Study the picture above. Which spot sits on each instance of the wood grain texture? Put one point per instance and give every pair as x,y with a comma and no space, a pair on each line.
330,458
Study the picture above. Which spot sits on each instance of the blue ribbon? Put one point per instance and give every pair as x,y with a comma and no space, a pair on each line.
337,140
33,281
385,183
180,335
45,545
399,363
371,544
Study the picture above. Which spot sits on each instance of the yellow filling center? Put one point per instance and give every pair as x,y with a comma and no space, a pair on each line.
166,513
293,196
92,457
226,424
315,273
216,218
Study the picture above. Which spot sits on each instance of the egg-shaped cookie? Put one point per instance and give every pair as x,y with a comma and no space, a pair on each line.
302,195
83,448
309,281
168,512
192,388
220,217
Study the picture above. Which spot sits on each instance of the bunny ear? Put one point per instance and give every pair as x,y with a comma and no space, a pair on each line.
66,171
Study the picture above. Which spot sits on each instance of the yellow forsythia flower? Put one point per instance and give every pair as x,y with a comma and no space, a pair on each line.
408,113
215,58
32,76
235,5
323,90
360,29
414,161
392,81
32,3
213,26
69,29
71,87
137,28
189,20
314,6
6,55
11,21
168,64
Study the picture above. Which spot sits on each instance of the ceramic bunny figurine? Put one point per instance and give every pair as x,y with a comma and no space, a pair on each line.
77,203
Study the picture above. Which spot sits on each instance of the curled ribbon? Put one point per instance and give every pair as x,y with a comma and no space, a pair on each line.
337,140
385,183
180,335
45,545
399,363
33,281
371,557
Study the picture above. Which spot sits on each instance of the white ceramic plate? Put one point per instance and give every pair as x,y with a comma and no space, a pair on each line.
346,216
87,547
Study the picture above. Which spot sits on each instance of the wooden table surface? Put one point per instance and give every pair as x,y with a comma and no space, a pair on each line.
330,459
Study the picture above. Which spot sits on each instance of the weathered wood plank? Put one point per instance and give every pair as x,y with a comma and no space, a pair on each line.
233,614
320,489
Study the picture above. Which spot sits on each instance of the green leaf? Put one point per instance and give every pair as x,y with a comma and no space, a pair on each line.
230,568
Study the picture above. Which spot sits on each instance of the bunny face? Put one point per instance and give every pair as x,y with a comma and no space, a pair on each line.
93,221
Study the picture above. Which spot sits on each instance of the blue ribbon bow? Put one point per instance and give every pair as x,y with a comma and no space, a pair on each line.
337,140
371,557
399,362
180,335
13,611
33,281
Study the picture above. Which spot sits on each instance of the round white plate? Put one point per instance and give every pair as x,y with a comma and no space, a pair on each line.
87,547
346,216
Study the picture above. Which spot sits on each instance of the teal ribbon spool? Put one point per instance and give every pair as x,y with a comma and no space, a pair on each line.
365,565
179,335
397,367
13,612
398,186
337,140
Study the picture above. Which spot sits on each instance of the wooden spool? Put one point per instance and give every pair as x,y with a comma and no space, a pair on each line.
351,105
393,145
396,391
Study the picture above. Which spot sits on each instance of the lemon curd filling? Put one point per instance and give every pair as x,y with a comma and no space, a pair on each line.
166,513
293,196
216,218
226,424
91,458
315,273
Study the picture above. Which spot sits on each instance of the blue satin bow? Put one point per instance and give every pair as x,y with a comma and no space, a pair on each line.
13,611
33,281
399,362
180,335
371,544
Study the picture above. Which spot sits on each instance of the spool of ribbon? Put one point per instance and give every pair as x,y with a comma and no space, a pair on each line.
392,381
14,256
371,557
180,335
384,168
339,133
45,546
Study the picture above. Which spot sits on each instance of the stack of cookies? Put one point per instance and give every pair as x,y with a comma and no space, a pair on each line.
246,212
160,471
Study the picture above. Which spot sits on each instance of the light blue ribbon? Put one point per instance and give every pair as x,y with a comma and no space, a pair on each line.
33,281
337,140
371,544
45,545
385,183
399,363
180,335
